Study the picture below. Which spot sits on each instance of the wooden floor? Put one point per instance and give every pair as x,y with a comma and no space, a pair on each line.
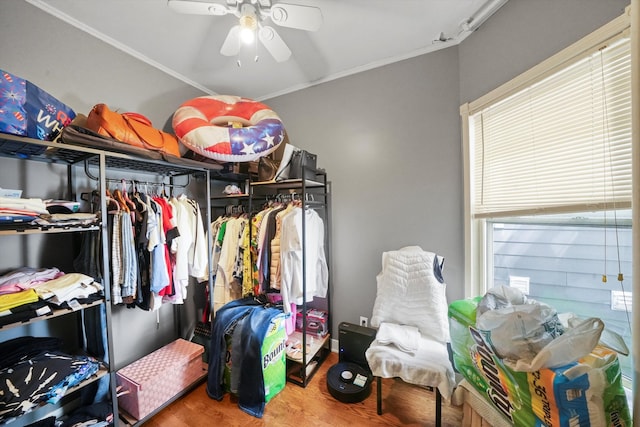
295,406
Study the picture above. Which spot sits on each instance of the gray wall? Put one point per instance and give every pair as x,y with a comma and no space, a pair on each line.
389,138
524,33
81,71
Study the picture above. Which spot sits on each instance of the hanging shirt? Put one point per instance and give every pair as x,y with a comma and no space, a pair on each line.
116,260
269,233
224,276
262,258
316,279
171,232
181,244
256,222
129,271
157,247
217,231
275,266
247,272
239,257
197,254
143,255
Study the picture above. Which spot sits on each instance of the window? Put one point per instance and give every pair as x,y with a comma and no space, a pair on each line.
561,144
560,260
548,182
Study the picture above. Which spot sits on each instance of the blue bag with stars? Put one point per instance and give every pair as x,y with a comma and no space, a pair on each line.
27,110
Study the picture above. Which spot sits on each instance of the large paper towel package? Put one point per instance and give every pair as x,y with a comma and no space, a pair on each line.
273,357
587,392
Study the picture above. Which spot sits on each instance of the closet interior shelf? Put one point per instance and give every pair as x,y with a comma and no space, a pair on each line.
288,184
314,343
55,313
52,230
230,197
55,152
102,371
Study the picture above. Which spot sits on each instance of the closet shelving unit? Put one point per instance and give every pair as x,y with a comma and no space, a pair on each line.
74,156
229,201
43,410
313,194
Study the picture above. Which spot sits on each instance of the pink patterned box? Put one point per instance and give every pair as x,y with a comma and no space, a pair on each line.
159,376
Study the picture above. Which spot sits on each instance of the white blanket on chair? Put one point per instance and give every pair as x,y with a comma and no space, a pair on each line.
428,366
405,337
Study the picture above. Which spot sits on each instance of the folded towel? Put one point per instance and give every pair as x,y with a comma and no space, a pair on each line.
405,337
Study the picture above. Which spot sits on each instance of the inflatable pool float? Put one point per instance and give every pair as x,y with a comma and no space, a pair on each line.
228,128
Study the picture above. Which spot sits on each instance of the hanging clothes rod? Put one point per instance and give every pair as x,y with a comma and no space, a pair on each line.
134,181
288,197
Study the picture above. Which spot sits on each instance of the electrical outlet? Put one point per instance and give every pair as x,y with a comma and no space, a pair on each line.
364,321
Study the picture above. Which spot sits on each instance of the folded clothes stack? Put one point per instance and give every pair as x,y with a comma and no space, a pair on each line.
67,287
26,278
79,219
19,210
36,212
35,371
27,292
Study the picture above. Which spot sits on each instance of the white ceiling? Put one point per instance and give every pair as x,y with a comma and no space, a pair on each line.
355,35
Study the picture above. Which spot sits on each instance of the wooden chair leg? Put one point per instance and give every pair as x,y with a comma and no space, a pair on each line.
438,401
438,408
379,395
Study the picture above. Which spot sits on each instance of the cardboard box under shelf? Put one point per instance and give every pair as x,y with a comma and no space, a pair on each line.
158,377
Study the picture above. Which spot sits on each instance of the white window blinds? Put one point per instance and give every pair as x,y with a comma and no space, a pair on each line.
560,145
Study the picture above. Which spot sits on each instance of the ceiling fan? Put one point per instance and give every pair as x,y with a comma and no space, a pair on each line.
251,16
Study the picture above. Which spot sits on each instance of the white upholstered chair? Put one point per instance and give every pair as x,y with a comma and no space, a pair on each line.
410,312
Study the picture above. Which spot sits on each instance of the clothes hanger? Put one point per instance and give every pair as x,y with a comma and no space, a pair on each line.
112,204
117,195
125,197
141,205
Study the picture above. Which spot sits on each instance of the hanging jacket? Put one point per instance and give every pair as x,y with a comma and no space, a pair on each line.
257,318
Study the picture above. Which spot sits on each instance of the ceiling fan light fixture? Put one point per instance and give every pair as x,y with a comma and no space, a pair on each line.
248,25
247,35
251,15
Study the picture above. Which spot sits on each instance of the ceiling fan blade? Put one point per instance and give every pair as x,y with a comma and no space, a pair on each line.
198,7
232,44
274,43
296,16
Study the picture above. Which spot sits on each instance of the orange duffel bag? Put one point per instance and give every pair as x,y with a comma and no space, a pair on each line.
131,128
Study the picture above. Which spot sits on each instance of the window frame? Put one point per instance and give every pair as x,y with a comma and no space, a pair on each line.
477,271
476,268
